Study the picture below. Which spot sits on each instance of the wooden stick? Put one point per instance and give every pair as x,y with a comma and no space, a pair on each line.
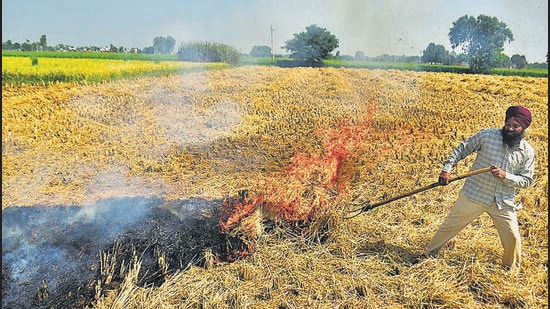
369,206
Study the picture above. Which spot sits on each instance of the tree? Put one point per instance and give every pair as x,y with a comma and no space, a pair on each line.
208,52
359,55
27,46
461,58
43,44
482,39
260,51
518,61
8,45
164,45
502,61
435,54
312,46
148,50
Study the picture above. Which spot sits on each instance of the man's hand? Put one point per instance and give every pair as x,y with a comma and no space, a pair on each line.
498,172
444,178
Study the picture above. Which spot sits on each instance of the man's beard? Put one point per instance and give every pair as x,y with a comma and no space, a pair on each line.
511,140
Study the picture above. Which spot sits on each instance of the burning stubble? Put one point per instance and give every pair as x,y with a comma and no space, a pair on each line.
53,254
58,246
66,257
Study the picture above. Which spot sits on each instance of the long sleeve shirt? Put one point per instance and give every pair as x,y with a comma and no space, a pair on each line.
519,164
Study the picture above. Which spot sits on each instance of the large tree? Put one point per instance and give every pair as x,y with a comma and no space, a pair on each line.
312,46
260,51
435,54
164,45
482,39
519,61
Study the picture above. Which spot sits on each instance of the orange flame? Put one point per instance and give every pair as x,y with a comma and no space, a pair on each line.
297,193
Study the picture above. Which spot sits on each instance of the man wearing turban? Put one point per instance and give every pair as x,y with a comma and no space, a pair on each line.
512,162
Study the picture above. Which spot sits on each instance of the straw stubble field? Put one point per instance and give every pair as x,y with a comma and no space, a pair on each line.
315,139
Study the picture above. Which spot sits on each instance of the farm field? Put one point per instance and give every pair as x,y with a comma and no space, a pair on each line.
285,151
35,70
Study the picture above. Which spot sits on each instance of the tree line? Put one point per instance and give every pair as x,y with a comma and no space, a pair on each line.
161,45
480,42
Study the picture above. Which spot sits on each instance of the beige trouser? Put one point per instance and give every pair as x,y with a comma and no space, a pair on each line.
465,211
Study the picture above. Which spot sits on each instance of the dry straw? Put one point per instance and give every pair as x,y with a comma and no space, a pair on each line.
214,134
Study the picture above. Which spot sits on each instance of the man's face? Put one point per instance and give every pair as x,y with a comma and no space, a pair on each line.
512,128
512,133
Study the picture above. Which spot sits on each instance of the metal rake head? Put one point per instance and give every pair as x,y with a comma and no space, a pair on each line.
365,206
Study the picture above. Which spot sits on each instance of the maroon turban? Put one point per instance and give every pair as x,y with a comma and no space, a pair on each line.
521,114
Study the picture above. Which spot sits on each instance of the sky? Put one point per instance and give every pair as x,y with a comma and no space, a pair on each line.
374,27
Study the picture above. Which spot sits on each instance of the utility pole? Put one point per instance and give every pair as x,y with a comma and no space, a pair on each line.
272,52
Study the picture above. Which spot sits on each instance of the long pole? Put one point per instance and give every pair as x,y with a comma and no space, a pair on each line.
272,52
368,206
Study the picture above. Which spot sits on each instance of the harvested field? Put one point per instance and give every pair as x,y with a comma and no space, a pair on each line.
227,189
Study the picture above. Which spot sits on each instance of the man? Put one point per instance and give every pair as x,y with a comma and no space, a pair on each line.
512,162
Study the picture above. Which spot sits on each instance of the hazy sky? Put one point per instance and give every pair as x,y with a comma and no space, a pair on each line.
374,27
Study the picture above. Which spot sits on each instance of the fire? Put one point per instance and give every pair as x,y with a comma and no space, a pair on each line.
300,192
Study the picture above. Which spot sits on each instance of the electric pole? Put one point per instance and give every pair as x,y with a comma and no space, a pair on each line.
272,52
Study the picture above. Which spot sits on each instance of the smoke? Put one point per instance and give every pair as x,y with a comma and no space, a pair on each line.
50,251
52,255
186,125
